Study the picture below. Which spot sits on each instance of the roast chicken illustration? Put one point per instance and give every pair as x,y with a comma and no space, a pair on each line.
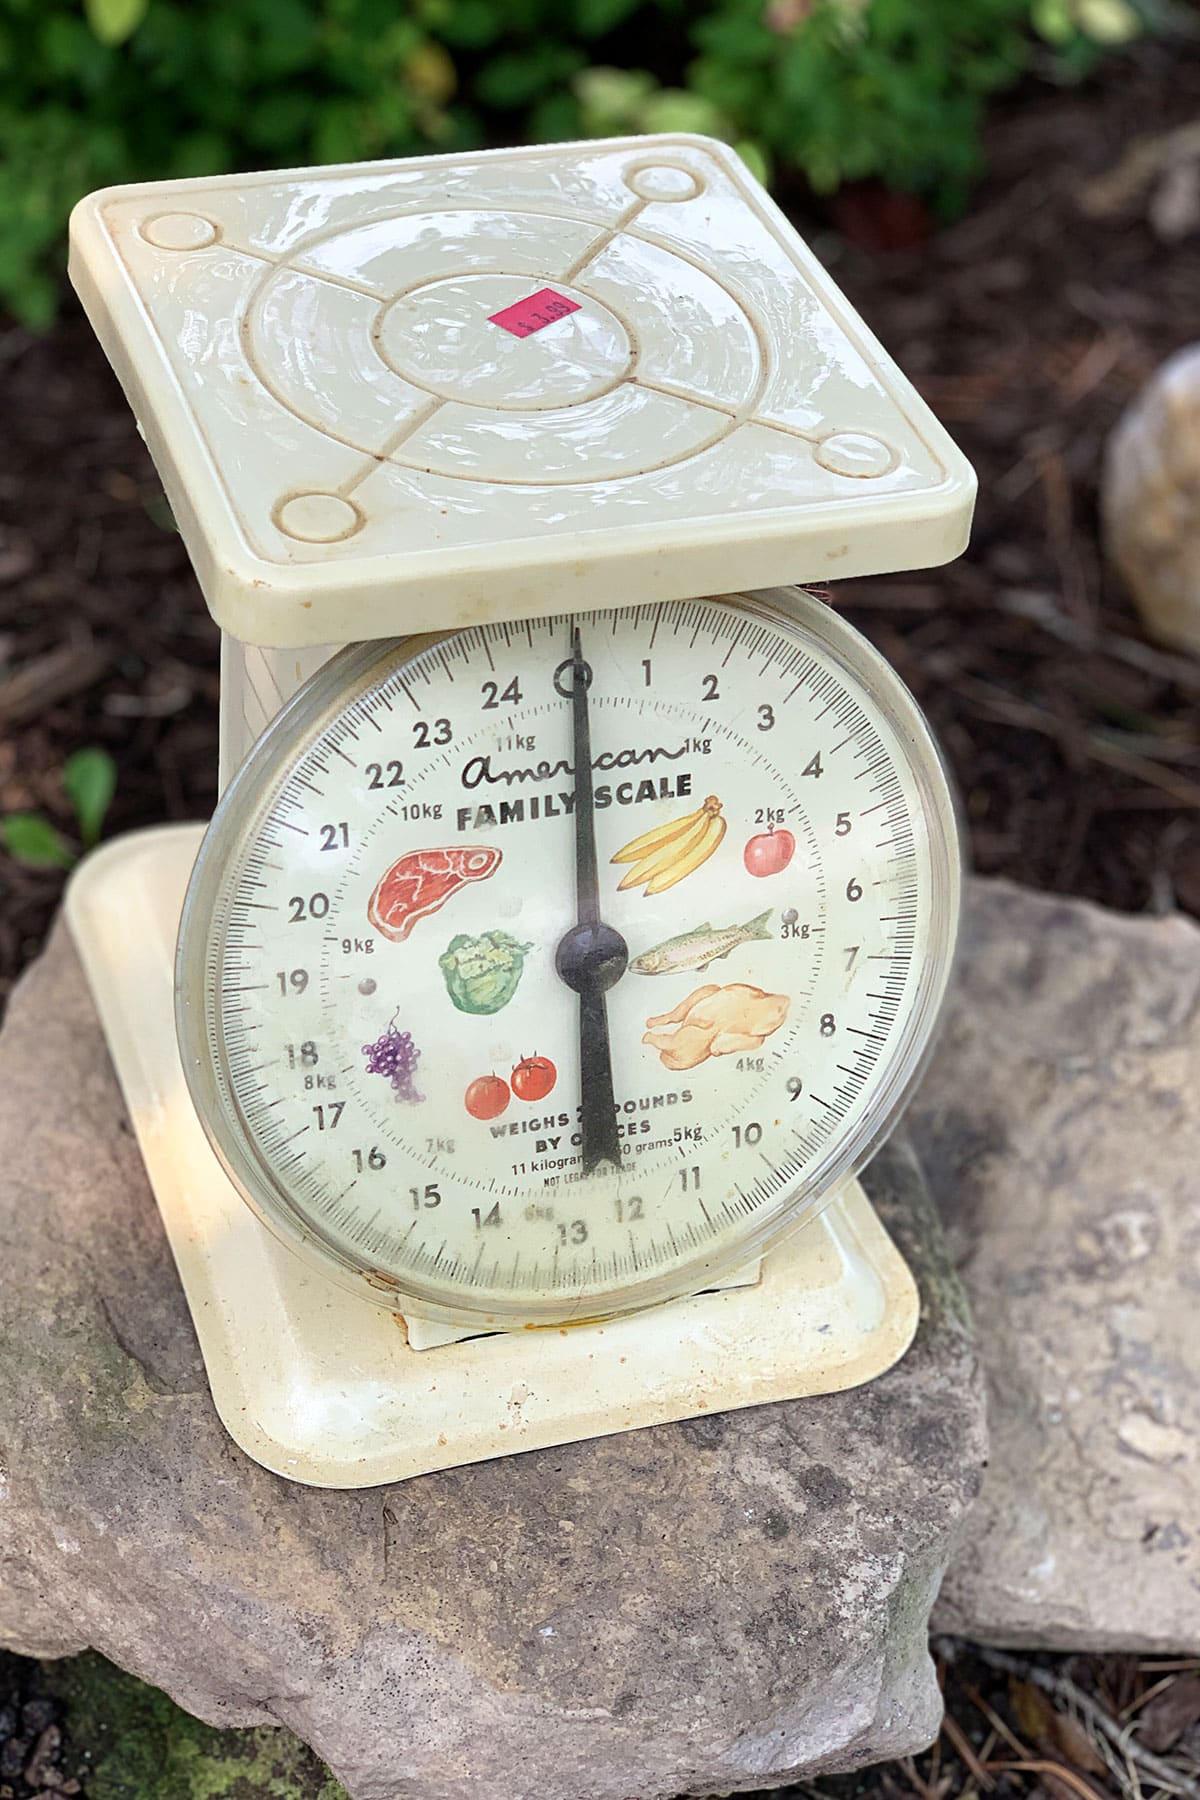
715,1021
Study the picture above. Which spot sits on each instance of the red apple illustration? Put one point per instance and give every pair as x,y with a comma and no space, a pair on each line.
770,852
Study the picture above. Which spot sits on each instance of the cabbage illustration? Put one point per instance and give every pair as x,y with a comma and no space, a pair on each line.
482,972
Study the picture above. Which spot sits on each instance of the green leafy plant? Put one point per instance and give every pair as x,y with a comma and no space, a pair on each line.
114,20
89,780
94,92
33,841
893,89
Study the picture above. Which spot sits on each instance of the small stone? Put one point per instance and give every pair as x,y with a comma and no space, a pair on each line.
736,1601
13,1753
1155,1441
36,1715
1150,500
1175,1711
1175,203
40,1770
1060,1126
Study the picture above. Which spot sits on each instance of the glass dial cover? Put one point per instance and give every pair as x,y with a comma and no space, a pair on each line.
403,1001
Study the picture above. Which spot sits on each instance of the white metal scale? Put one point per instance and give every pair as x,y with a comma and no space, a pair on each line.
580,902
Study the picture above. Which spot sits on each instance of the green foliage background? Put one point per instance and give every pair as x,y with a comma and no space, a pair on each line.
100,91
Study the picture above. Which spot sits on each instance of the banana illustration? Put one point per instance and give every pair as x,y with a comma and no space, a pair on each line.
666,854
669,850
714,831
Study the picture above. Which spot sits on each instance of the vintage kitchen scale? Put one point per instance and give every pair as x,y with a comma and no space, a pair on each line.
566,939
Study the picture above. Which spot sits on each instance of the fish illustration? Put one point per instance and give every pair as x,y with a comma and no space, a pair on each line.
696,949
421,882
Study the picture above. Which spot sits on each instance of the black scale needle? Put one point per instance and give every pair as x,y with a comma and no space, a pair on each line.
591,955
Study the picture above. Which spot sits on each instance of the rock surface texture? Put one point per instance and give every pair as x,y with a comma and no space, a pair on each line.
722,1604
1059,1127
1150,499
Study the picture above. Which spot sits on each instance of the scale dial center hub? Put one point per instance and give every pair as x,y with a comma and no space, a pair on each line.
592,957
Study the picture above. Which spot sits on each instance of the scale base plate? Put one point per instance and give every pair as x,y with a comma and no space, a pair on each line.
326,1389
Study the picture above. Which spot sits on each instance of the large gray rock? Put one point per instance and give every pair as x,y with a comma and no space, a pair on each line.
1060,1129
722,1604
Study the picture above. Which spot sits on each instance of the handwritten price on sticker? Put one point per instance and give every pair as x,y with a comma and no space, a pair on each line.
525,317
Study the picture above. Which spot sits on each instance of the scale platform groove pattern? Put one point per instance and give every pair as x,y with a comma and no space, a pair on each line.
319,369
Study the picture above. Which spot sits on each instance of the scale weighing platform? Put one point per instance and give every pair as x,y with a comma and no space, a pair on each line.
580,902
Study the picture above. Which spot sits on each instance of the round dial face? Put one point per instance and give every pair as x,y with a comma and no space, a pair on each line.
552,969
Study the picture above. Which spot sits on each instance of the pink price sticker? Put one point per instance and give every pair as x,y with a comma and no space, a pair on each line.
525,317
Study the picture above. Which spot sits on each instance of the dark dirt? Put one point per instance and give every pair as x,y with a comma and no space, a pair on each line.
30,1746
1028,326
1016,1728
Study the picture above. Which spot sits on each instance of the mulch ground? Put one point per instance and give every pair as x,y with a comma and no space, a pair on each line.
1028,325
1076,743
1016,1728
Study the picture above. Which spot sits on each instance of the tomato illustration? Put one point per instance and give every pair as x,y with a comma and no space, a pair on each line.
533,1077
770,852
487,1097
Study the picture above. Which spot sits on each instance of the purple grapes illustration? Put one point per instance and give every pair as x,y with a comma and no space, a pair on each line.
396,1056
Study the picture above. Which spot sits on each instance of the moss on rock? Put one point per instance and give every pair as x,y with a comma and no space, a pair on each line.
127,1741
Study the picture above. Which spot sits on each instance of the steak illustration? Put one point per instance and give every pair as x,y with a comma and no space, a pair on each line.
421,882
